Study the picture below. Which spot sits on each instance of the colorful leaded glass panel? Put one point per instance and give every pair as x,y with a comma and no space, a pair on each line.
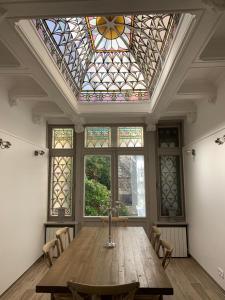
130,137
61,185
62,138
168,137
151,40
114,76
110,33
170,192
97,137
110,58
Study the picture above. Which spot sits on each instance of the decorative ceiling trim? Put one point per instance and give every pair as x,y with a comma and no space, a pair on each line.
198,89
79,128
160,98
37,118
111,75
22,9
78,122
28,33
191,117
151,122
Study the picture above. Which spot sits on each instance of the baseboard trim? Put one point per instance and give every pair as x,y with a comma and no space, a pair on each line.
36,261
222,290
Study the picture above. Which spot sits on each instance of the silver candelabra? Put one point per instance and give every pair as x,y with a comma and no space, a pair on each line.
110,243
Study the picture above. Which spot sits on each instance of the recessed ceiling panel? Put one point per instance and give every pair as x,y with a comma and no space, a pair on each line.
110,58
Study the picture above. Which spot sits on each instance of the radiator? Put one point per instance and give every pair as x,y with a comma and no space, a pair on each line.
177,236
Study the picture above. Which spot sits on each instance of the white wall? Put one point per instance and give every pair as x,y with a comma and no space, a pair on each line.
23,190
205,186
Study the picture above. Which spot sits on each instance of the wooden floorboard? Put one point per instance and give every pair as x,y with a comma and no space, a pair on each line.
189,280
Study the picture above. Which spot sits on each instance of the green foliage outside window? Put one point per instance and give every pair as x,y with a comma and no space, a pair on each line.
97,186
97,196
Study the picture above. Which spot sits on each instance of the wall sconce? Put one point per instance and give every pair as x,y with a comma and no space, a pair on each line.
191,151
39,152
220,141
5,144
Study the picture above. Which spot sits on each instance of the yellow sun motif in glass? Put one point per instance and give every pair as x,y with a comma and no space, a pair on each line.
110,27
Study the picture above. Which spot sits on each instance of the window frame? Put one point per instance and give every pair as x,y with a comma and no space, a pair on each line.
176,151
114,152
61,152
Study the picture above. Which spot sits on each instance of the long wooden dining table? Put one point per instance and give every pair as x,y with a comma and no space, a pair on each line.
88,261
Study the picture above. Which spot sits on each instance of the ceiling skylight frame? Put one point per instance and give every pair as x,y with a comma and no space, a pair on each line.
105,95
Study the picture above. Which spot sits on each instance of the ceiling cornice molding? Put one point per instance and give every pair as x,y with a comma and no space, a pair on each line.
79,128
198,89
29,34
191,117
37,118
195,37
181,37
182,109
151,122
19,94
64,8
78,122
111,108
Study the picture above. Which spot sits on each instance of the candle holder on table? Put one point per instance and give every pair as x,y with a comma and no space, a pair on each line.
110,243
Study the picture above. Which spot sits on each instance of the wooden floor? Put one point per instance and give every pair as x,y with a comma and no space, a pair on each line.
188,279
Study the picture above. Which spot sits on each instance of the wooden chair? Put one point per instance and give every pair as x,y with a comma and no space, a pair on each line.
63,234
167,250
115,220
49,249
155,237
120,292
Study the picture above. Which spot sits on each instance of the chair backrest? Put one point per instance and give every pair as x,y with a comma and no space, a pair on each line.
167,250
117,220
62,234
49,249
155,236
124,291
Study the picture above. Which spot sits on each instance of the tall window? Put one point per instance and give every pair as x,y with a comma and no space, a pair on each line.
61,165
170,182
114,170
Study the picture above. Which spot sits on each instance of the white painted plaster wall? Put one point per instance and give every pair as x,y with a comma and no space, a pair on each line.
23,190
205,186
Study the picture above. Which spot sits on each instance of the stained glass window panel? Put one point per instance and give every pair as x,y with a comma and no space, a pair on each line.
168,137
110,33
131,185
109,58
130,137
170,192
62,138
61,185
97,137
97,184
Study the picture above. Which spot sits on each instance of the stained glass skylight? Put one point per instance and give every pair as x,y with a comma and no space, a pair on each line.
110,58
112,33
